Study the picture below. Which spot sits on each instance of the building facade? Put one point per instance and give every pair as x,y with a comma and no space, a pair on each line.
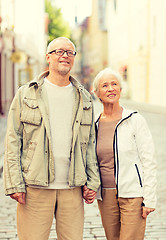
91,41
137,47
22,45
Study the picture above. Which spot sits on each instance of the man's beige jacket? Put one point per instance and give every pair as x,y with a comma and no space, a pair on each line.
28,148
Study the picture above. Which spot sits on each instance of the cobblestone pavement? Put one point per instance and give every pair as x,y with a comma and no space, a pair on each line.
156,223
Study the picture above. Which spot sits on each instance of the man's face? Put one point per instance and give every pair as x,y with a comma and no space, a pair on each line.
60,64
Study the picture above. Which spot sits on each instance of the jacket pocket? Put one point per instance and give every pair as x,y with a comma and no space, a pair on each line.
30,112
139,176
87,114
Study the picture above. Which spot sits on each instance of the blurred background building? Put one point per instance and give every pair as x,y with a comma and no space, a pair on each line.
92,43
22,45
137,47
129,36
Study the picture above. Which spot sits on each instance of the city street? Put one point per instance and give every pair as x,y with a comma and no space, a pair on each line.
156,223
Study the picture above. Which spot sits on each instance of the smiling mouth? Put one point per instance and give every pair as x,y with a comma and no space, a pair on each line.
111,95
63,62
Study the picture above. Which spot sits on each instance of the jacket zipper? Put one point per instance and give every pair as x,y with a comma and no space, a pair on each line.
116,161
138,175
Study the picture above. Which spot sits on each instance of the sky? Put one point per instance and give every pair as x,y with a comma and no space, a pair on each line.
71,8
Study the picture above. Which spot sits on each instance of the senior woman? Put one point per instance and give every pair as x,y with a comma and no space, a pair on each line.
126,160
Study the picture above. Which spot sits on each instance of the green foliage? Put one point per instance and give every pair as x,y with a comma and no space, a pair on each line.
57,26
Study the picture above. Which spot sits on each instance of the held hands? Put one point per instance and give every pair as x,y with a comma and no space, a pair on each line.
88,194
146,211
19,197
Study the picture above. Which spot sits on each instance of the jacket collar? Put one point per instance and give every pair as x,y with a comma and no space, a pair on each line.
125,114
38,81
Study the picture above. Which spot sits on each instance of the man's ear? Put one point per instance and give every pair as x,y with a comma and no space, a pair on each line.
48,58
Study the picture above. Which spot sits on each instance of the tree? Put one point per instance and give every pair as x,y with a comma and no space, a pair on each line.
57,26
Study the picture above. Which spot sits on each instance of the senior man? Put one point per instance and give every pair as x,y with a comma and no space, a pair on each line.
50,160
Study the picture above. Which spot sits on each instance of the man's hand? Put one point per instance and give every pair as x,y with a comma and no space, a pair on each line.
146,211
88,194
19,197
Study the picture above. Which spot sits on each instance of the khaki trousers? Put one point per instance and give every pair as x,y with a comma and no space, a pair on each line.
34,219
121,217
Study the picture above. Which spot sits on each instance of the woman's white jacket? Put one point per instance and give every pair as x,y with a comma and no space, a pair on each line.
134,161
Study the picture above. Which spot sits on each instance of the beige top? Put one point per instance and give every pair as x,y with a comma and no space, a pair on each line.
60,102
105,152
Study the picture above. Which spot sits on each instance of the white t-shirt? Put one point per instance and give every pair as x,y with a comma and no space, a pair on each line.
60,101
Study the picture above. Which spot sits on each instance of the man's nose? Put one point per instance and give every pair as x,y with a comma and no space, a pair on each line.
65,54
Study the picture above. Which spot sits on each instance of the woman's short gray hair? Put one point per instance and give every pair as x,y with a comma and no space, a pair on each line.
106,71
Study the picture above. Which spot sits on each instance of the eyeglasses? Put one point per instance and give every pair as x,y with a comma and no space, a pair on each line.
61,52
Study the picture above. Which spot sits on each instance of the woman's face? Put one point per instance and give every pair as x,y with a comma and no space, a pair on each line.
109,89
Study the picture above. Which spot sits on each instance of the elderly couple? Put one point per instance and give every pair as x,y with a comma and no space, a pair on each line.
54,159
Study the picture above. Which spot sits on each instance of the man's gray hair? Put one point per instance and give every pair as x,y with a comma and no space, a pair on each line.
49,47
101,74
